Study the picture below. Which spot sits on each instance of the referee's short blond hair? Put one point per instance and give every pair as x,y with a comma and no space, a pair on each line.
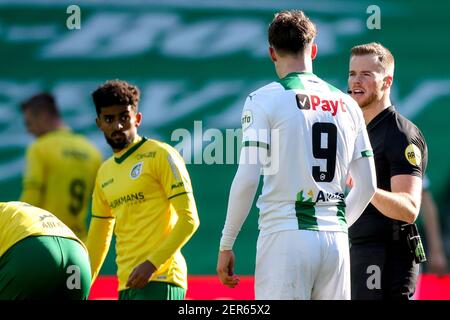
385,57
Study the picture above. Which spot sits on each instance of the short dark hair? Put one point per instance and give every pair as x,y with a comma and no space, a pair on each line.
116,92
291,31
41,102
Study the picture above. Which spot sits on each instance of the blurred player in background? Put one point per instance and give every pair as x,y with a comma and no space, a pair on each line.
40,257
436,259
302,249
60,165
144,190
384,263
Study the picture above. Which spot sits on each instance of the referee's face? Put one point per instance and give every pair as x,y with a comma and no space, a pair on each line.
119,125
365,80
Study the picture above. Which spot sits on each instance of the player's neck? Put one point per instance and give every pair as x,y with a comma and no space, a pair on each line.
54,125
375,108
118,152
289,65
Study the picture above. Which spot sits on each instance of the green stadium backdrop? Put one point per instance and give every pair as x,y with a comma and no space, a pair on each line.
196,61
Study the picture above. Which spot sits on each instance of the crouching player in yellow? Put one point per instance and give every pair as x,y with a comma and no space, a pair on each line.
40,257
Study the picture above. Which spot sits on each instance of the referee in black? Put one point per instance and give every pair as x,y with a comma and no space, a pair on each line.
385,246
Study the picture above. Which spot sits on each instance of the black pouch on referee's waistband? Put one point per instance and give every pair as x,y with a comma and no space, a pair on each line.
411,233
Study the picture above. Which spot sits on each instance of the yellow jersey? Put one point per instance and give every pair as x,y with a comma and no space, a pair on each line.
137,188
59,176
19,220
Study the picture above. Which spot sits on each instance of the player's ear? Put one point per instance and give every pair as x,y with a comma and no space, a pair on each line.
138,119
387,81
314,50
273,54
97,122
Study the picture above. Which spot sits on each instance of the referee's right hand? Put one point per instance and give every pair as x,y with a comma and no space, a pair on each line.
225,269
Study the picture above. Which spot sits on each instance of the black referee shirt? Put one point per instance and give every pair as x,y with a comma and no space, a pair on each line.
399,148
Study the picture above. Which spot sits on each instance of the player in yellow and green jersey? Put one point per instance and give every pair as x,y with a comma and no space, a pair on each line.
61,165
40,257
144,193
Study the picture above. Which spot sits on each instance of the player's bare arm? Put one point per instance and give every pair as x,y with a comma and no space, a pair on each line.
436,260
403,203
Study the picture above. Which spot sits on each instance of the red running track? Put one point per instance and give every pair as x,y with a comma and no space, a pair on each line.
429,287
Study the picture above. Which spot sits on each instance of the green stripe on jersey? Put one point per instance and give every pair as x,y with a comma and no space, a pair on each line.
255,144
176,195
306,216
306,213
129,152
99,217
292,81
341,215
367,153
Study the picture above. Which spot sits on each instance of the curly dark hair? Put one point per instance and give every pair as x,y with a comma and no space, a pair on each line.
116,92
291,31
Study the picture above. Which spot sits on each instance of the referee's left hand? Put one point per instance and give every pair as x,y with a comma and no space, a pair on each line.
140,275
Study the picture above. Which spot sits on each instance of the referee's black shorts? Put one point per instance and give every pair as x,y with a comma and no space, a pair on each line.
382,271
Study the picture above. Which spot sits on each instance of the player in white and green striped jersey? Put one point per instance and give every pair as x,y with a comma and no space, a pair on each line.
306,136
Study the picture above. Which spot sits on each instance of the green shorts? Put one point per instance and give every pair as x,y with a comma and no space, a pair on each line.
45,267
154,290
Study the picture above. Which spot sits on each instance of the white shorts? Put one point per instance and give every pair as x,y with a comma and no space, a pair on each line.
303,265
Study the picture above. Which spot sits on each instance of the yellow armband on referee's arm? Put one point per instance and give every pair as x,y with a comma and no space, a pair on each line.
183,230
98,241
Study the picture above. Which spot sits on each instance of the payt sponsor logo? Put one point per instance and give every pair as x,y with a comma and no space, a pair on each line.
314,102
